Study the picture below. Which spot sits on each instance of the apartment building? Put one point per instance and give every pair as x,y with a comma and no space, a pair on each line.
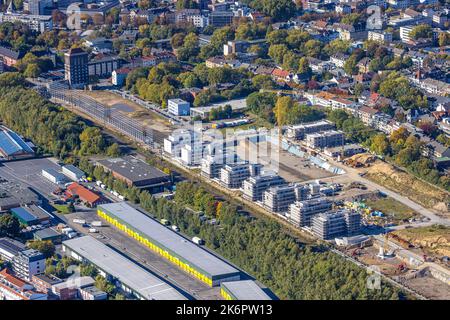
28,263
9,248
336,224
302,212
325,139
175,141
14,288
211,165
278,198
254,187
76,67
233,175
38,23
299,131
380,36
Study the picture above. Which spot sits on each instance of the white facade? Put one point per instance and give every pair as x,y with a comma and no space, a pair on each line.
178,107
35,22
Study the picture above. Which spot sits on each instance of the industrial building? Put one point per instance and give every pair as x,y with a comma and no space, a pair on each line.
113,266
54,176
233,175
325,139
278,198
28,263
31,215
299,131
88,197
137,173
48,234
301,212
336,224
188,256
178,107
253,187
243,290
12,146
73,172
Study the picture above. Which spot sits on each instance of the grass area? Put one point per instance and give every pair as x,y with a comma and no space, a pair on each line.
435,230
392,208
62,208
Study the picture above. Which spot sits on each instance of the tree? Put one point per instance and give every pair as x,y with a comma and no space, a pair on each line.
92,141
32,71
421,31
102,284
277,52
9,225
113,150
380,144
88,270
281,110
444,39
47,248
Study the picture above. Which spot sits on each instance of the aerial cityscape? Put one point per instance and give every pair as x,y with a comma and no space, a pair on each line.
214,150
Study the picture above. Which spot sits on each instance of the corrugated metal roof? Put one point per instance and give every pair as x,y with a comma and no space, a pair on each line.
127,272
194,255
245,290
11,143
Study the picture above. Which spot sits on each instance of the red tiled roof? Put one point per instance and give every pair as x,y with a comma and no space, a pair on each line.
5,273
280,73
83,193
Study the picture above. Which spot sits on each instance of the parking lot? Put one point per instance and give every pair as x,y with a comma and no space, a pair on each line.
29,173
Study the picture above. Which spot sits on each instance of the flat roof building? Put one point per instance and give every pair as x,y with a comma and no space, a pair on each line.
182,252
298,131
9,248
340,223
325,139
302,211
113,265
254,187
136,173
278,198
178,107
73,172
243,290
31,215
28,263
53,175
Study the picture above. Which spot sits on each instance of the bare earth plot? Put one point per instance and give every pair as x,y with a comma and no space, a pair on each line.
430,287
419,191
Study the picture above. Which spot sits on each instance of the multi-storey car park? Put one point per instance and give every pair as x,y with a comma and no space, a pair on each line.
132,278
185,254
243,290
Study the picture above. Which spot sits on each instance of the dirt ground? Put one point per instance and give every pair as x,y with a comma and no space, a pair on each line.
404,183
434,239
430,287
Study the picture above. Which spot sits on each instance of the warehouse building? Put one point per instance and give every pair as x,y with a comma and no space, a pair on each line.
31,215
137,173
325,139
115,267
73,172
87,196
243,290
303,211
188,256
54,176
12,146
254,187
